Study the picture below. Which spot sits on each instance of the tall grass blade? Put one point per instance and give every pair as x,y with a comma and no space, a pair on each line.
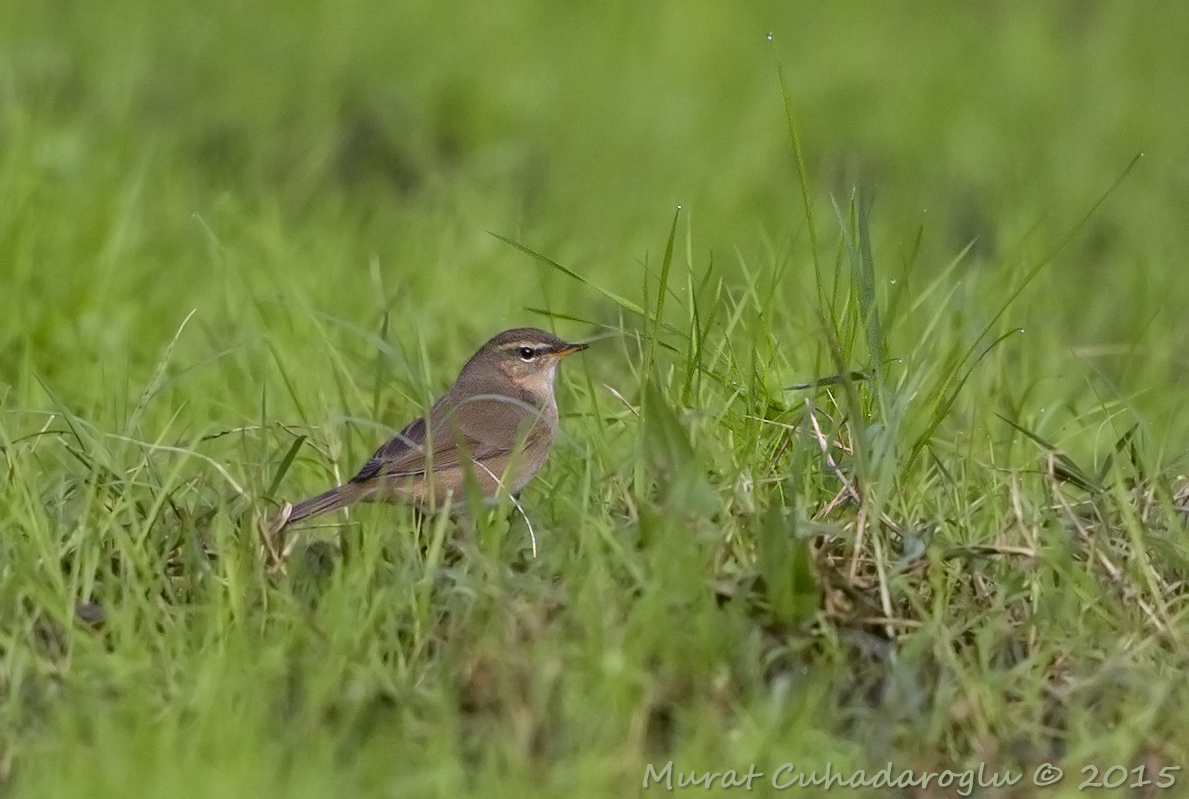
158,377
803,178
622,302
660,294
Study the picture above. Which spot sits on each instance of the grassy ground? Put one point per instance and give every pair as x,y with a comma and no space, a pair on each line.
230,228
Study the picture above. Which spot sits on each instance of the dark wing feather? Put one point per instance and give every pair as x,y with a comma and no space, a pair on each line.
404,454
406,447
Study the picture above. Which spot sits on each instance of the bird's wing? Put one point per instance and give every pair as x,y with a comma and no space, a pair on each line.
480,424
404,455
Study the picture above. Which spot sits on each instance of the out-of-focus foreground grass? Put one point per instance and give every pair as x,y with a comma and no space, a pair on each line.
228,228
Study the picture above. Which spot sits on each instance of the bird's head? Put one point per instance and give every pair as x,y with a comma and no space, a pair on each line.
525,358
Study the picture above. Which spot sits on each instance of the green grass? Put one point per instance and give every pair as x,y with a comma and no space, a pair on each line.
240,245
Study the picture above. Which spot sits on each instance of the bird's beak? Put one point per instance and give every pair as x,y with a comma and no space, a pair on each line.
570,348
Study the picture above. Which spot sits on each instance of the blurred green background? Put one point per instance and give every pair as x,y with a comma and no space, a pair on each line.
178,154
319,183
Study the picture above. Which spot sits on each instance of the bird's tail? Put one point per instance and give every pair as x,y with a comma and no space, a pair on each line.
333,499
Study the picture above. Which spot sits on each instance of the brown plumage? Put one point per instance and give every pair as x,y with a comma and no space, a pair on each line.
499,412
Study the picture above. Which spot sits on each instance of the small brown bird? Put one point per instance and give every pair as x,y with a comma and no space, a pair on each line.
499,413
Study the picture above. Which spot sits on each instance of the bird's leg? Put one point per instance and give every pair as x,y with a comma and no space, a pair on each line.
276,551
515,502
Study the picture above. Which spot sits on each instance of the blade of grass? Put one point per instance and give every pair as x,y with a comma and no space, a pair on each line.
158,377
802,177
660,294
622,302
942,407
1071,471
283,469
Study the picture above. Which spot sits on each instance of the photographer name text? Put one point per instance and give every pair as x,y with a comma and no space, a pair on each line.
963,782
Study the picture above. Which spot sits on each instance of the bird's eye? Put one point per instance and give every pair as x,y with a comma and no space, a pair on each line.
526,353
